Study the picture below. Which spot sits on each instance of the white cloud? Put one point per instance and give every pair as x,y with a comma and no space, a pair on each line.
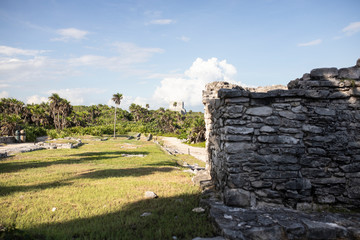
128,53
77,96
10,51
67,34
188,88
36,99
161,21
352,28
311,43
4,94
184,39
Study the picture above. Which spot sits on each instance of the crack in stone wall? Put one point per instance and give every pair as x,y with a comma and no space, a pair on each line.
298,148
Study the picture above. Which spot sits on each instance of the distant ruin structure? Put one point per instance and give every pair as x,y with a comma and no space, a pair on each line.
178,107
297,148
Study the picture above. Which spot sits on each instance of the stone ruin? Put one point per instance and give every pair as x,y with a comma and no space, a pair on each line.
297,148
177,107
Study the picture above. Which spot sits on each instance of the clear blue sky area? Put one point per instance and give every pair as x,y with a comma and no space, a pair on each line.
157,51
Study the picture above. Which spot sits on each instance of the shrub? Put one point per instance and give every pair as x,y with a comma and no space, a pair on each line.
32,132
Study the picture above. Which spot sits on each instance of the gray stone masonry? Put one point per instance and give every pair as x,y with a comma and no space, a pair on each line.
297,148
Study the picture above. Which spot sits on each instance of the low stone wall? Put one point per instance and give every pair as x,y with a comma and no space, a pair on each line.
7,139
298,148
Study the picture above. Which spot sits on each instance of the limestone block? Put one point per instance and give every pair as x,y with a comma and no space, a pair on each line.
279,175
238,147
282,139
260,111
311,129
325,111
291,115
238,130
323,73
267,129
237,197
298,184
272,120
349,73
317,93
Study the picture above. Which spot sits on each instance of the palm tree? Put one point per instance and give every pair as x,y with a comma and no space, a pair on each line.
117,99
55,101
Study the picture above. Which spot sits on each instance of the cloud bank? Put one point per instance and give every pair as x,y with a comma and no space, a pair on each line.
189,86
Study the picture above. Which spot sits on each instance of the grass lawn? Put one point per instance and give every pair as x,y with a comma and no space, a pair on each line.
97,192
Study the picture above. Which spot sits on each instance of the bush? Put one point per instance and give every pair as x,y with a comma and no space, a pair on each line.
32,132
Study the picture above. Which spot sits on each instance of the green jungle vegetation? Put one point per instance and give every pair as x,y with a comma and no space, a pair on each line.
58,118
97,191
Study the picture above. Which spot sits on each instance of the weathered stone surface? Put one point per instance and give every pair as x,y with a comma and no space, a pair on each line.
325,111
267,129
323,230
272,120
238,130
260,111
288,147
291,115
311,128
349,73
237,197
238,147
278,139
149,194
323,73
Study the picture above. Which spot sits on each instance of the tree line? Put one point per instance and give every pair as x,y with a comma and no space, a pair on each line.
58,117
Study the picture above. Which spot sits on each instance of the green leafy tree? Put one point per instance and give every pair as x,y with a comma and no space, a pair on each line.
117,100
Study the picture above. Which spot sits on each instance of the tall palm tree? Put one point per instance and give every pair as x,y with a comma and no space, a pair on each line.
55,101
117,99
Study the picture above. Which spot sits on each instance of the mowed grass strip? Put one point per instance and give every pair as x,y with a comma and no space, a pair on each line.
97,192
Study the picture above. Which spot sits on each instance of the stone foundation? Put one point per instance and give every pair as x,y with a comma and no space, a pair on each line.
298,148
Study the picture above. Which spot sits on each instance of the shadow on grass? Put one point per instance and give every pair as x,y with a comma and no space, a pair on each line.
101,154
169,217
93,174
7,190
84,157
124,172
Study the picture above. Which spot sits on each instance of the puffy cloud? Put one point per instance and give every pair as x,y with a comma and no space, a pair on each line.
188,88
311,43
36,99
4,94
67,34
352,28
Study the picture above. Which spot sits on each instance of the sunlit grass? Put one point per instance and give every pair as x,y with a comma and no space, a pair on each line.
94,192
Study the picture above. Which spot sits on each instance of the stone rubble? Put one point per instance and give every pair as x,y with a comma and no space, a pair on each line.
5,151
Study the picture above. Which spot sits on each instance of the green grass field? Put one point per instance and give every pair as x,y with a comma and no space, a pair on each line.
95,192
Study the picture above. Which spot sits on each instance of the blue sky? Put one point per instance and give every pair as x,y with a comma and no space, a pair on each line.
157,51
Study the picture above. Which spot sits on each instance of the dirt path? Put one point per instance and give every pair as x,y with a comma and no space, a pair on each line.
176,144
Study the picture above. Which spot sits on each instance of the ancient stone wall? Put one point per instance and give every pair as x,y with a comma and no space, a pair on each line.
298,148
7,139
